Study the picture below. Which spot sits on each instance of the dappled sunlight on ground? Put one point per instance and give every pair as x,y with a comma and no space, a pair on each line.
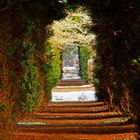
82,95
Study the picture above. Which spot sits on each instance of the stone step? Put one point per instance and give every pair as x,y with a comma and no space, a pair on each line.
75,110
61,136
65,81
73,104
71,122
78,129
76,116
71,82
84,88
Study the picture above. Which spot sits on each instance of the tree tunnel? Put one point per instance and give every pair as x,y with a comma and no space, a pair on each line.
30,50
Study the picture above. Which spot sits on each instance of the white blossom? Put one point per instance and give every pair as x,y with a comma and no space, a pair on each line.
74,29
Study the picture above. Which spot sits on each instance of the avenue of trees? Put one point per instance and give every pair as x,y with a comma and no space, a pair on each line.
26,58
74,31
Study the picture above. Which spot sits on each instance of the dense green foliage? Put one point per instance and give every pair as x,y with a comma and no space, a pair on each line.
97,78
84,57
51,67
29,85
97,73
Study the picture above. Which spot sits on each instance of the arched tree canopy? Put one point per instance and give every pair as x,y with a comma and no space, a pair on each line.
73,30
